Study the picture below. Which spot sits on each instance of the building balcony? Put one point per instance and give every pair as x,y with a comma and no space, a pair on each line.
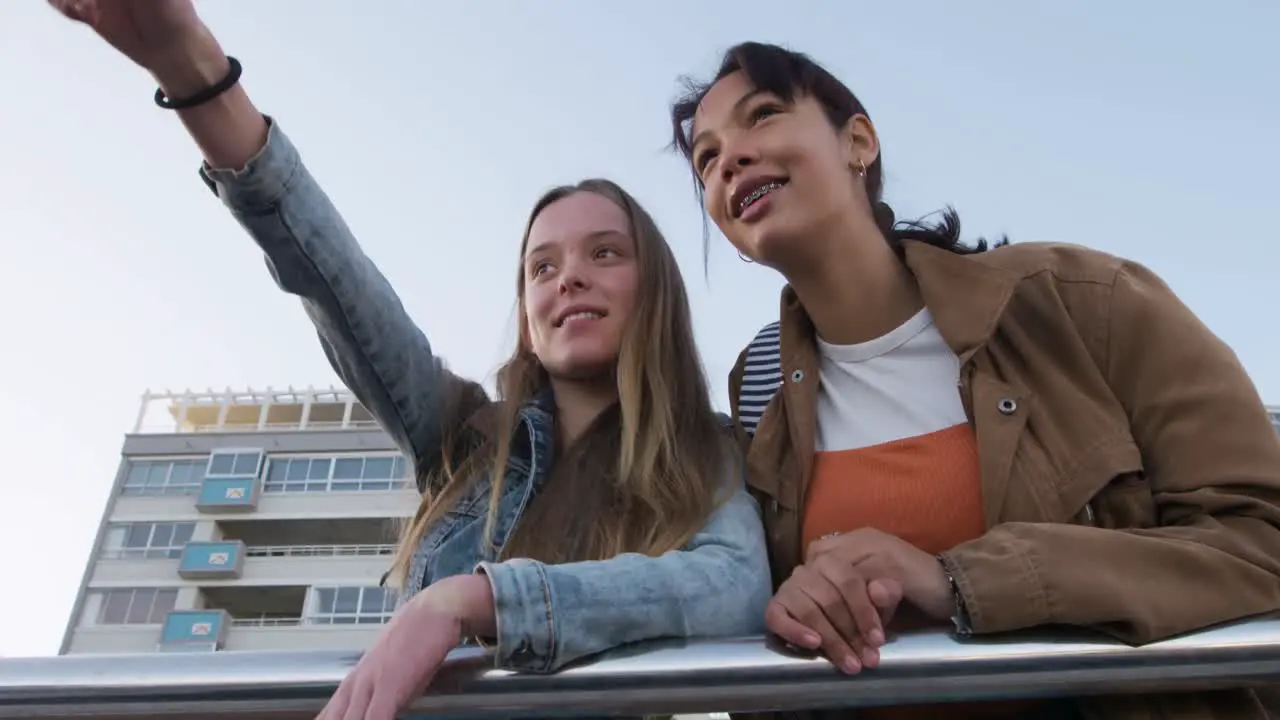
249,411
329,614
311,550
150,572
239,634
245,551
296,634
216,564
301,617
114,639
222,560
209,630
399,501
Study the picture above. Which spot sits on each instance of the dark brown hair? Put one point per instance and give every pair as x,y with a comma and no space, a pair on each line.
789,74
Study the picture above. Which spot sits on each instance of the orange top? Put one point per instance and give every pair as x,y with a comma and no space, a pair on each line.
926,490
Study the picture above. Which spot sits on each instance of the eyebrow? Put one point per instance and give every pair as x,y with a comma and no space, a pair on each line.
737,108
593,235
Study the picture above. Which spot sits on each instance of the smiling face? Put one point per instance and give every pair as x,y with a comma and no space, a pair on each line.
580,276
776,171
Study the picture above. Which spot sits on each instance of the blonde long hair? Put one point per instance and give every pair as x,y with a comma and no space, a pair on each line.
648,472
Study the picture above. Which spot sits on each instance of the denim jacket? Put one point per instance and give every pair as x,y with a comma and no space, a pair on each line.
547,615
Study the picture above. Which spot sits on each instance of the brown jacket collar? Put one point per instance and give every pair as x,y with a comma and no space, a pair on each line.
966,295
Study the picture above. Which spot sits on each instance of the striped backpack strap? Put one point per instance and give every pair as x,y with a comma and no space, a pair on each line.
761,376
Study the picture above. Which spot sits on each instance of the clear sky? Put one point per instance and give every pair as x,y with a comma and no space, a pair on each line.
1143,128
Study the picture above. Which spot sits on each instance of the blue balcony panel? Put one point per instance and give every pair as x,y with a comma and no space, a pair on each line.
217,560
194,630
228,495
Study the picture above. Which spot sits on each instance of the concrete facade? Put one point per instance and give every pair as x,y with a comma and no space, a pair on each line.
248,521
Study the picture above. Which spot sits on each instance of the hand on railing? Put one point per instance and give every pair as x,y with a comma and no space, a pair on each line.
727,675
406,656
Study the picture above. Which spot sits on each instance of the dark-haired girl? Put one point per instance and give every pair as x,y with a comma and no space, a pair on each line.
990,438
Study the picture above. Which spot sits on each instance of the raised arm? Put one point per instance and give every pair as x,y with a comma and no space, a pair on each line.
367,335
369,339
167,39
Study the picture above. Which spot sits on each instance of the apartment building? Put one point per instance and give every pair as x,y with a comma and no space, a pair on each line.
245,521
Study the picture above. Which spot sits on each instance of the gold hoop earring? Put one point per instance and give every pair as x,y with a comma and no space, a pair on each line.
744,258
862,168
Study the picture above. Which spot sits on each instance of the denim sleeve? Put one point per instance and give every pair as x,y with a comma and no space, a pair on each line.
368,337
717,585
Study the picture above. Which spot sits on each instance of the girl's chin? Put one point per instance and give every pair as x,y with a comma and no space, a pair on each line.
585,366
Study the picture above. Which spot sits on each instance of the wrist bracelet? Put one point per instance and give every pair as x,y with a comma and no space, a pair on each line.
960,618
226,83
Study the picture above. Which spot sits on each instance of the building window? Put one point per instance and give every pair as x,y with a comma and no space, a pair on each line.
351,606
132,606
234,464
144,540
164,477
336,474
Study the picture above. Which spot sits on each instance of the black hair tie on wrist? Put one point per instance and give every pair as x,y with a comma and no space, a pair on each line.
226,83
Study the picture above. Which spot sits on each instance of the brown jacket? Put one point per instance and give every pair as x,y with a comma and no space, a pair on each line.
1130,475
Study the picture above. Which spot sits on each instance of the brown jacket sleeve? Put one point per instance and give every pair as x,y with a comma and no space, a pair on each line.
1212,460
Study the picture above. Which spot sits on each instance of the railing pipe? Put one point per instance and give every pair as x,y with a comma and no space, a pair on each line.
350,550
654,678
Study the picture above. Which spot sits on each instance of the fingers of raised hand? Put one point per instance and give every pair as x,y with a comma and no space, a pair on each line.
81,10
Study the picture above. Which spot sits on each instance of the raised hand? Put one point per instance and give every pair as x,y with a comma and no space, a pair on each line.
168,39
152,33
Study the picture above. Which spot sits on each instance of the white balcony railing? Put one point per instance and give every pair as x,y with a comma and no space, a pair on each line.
261,622
657,678
263,551
319,620
250,411
314,426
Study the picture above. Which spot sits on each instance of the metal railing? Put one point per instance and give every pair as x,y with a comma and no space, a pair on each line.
263,622
142,553
253,427
654,678
259,551
224,411
314,621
